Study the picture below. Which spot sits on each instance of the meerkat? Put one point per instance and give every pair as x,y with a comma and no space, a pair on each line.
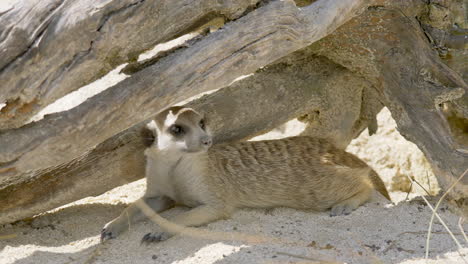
299,172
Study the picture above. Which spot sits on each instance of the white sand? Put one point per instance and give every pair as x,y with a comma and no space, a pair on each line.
375,233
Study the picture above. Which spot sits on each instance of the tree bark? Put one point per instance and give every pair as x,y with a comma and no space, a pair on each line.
395,55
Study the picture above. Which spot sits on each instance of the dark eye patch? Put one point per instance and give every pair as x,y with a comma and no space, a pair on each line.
177,130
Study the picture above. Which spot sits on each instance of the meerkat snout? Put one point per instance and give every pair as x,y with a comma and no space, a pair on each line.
206,141
180,129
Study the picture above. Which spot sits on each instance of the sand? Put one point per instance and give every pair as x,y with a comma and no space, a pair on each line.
378,232
375,233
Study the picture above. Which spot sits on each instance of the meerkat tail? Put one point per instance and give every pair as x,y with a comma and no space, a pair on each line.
378,184
174,228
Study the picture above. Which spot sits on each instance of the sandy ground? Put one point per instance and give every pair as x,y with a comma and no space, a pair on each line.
378,232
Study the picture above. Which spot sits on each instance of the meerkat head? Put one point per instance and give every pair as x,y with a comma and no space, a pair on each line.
180,128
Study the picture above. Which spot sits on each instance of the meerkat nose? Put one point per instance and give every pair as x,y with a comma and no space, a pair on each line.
207,141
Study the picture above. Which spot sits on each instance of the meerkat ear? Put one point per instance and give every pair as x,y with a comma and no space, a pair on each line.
149,133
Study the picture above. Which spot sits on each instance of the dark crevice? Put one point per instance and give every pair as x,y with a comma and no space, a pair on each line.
138,66
375,7
423,28
257,5
79,55
304,3
198,23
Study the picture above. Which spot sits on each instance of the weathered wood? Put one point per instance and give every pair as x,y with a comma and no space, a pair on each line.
346,105
395,55
52,47
243,46
296,85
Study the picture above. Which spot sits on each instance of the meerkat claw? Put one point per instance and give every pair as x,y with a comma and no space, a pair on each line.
106,235
155,237
340,210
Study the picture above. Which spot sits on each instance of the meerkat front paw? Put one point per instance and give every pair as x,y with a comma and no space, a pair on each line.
111,230
155,237
106,235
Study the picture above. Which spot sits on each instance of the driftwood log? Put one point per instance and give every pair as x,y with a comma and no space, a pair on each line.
413,82
53,47
383,56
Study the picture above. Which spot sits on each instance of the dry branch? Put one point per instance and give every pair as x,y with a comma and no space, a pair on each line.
52,47
243,46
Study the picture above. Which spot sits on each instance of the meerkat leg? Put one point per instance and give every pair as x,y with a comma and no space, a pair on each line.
347,206
133,214
195,217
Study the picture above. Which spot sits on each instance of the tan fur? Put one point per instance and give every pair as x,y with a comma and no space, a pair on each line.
297,172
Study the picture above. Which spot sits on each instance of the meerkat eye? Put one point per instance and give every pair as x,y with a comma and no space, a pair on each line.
202,124
176,130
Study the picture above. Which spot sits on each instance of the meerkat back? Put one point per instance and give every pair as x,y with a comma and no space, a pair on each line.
297,172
